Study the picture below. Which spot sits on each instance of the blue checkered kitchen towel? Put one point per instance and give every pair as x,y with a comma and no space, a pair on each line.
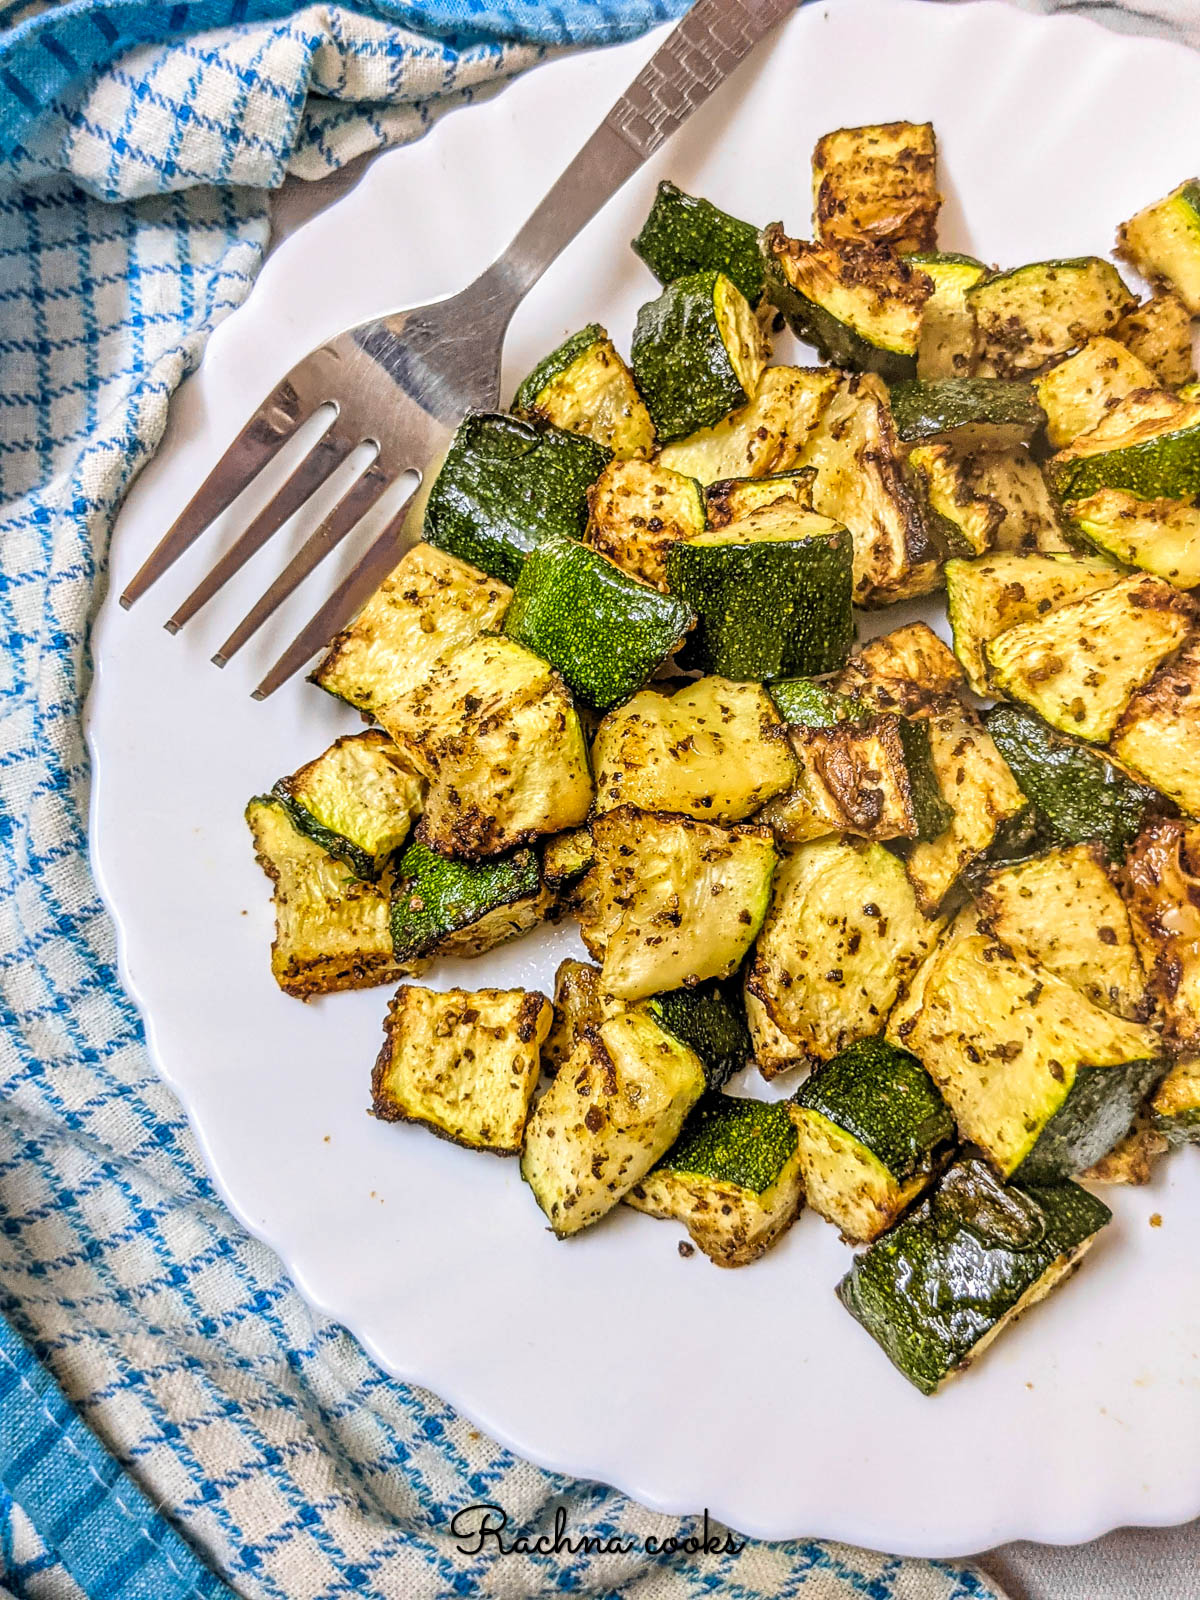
248,1437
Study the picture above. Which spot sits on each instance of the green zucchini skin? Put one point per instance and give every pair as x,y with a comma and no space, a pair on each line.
1096,1114
933,815
435,896
604,630
555,364
505,485
729,1139
336,844
711,1020
1166,467
805,704
930,1289
767,609
962,410
680,362
685,234
1077,794
884,1099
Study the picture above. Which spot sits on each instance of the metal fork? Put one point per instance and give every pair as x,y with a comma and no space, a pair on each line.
403,382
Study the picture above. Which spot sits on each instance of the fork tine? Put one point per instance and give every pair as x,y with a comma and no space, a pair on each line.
327,455
342,604
275,421
347,514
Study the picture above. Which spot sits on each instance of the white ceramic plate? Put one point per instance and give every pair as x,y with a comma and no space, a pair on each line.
752,1392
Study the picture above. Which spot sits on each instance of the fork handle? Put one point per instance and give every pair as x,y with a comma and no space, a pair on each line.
691,62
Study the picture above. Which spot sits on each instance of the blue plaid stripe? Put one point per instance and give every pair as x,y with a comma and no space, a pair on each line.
287,1460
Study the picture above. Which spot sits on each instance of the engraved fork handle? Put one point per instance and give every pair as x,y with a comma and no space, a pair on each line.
693,61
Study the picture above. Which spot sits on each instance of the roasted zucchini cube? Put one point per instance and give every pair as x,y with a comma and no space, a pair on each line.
732,1178
685,234
710,1018
1062,911
1162,891
1042,1080
504,485
762,438
985,597
584,387
464,1063
1079,665
566,857
1077,794
984,798
579,1003
1083,389
873,1132
427,606
494,730
872,777
358,801
860,304
960,520
331,928
734,498
638,510
1148,445
698,354
908,670
715,750
861,483
1159,735
1013,481
605,630
948,333
1159,332
672,901
969,413
842,936
615,1106
878,183
1176,1103
1032,314
935,1291
1163,243
771,593
1160,536
442,907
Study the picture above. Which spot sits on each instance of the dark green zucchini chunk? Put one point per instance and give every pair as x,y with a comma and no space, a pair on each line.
1176,1103
585,387
1078,794
873,1131
462,908
685,234
604,629
698,353
732,1178
1163,243
771,592
1032,314
462,1063
358,801
1042,1080
1148,444
859,304
615,1106
507,484
710,1018
802,703
971,1258
970,413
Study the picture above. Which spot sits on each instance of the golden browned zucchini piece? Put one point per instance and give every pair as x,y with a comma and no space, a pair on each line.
579,1003
358,800
495,731
909,670
332,930
1162,891
878,183
1159,332
464,1063
638,510
1163,242
1080,391
764,437
428,606
1159,734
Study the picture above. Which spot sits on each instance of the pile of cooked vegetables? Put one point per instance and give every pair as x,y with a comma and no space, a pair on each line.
619,681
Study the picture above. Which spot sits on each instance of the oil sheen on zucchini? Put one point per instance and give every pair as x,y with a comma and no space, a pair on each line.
970,413
937,1289
698,354
685,234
